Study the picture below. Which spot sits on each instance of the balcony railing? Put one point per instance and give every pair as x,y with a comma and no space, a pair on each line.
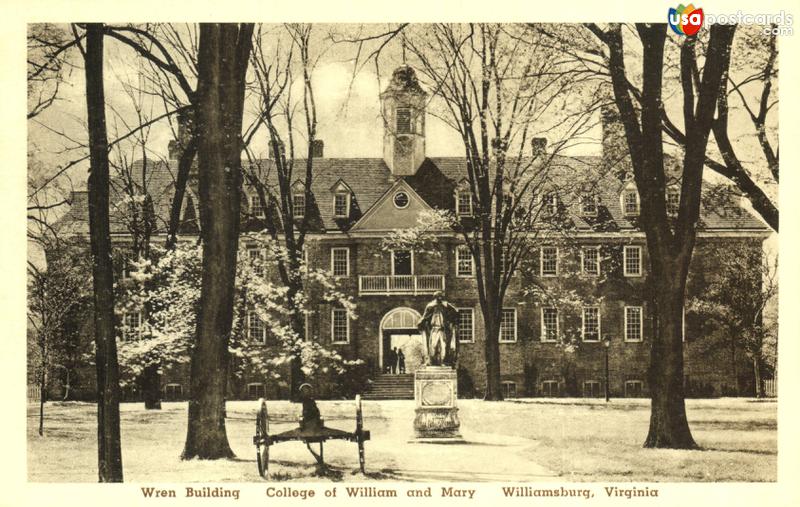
400,284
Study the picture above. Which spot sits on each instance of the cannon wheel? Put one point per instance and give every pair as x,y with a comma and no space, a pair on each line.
360,433
262,433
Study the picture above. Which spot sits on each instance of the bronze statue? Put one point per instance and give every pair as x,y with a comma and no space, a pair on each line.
439,323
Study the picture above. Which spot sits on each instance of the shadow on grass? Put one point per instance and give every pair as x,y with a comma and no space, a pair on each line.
751,425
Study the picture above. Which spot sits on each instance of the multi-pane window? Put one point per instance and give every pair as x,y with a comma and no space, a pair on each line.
589,205
633,323
673,201
466,325
509,389
549,324
255,390
257,207
298,204
464,264
464,203
630,202
591,324
340,261
632,259
550,388
634,388
173,392
256,330
403,120
131,325
340,326
256,257
402,262
508,325
341,203
591,389
548,261
591,261
550,203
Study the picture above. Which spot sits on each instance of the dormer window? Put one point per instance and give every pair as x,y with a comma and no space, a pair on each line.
673,201
341,205
464,203
298,204
630,202
403,120
589,205
257,207
550,203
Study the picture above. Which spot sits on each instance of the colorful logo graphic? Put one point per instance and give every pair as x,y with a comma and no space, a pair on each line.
685,20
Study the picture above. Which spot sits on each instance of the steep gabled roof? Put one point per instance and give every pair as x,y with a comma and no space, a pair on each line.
435,182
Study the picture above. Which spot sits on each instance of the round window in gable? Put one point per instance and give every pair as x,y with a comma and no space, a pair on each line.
401,200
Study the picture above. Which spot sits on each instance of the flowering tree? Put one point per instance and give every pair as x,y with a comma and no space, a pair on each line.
263,337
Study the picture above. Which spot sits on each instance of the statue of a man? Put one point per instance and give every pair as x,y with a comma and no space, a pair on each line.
439,322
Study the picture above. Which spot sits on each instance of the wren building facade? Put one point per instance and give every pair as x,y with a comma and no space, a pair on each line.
545,349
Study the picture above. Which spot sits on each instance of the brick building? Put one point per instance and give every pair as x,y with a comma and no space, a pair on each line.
357,201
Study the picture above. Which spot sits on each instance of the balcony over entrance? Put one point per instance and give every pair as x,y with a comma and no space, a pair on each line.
399,284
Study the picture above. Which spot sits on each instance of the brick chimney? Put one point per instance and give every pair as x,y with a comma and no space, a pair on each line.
281,148
615,146
538,146
185,130
318,148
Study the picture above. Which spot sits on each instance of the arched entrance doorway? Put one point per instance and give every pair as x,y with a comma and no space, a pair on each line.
398,330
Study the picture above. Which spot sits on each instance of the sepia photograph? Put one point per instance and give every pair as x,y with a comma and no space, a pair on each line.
536,255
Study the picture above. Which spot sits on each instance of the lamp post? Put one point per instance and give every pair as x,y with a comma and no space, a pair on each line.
606,345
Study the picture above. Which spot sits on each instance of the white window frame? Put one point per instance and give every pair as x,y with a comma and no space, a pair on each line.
255,202
347,259
589,199
472,317
641,386
625,261
460,212
592,382
252,254
263,339
673,191
541,262
554,383
625,211
500,338
468,252
505,383
346,196
641,324
333,322
412,260
173,385
550,208
133,332
253,384
583,259
543,338
295,209
599,324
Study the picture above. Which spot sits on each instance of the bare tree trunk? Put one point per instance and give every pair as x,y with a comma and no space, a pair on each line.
759,389
151,387
492,354
108,391
669,426
222,63
42,389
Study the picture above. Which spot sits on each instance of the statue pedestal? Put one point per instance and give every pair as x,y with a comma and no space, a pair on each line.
435,393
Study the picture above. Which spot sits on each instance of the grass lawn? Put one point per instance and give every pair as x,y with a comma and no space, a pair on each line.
521,440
